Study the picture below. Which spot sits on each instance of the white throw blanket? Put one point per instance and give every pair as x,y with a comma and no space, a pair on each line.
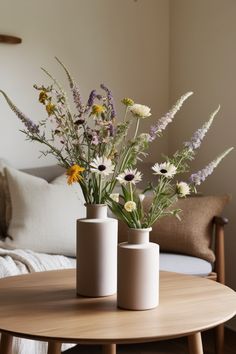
15,262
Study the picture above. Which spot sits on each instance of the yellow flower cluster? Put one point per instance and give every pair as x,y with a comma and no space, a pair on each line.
98,109
44,98
50,108
74,174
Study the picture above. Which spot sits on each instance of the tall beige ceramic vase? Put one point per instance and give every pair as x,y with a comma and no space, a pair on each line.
138,272
96,253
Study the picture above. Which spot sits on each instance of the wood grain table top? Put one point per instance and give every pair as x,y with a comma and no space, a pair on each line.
44,306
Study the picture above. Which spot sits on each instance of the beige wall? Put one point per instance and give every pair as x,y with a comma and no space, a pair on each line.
203,59
121,43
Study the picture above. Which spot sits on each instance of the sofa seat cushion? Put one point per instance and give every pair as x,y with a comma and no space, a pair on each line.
184,264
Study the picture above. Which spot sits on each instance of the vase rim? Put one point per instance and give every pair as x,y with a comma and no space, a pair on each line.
94,205
143,229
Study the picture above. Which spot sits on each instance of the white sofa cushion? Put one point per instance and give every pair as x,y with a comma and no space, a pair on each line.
43,214
179,263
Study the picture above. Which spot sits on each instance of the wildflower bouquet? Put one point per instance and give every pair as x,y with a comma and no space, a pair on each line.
129,206
96,152
86,140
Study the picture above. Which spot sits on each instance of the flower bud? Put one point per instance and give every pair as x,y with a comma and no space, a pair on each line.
115,197
130,206
127,102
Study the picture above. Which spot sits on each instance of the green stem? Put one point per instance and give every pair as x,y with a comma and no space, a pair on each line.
55,151
126,111
67,136
182,158
88,144
136,130
120,169
131,191
100,189
126,155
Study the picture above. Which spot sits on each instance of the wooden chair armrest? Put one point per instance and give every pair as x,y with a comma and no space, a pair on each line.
220,222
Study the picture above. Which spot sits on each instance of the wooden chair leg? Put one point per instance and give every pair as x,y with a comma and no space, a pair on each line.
219,339
6,344
220,254
54,347
109,349
195,343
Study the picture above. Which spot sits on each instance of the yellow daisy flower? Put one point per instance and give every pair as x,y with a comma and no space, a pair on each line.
50,108
42,97
98,109
73,174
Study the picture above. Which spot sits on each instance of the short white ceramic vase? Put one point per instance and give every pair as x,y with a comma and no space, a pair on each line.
138,272
96,253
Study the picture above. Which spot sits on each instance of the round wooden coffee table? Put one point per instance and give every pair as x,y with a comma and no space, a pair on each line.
44,306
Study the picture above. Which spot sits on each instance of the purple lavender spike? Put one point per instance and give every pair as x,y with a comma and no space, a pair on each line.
200,176
77,98
29,124
110,100
74,88
198,136
168,117
111,129
105,89
91,99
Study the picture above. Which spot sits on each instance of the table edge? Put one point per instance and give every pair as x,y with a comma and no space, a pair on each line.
115,340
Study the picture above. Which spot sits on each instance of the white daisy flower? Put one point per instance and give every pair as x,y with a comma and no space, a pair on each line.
130,206
140,111
129,176
182,189
115,197
166,169
102,166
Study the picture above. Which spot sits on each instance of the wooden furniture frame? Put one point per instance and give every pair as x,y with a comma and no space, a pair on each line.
44,306
219,272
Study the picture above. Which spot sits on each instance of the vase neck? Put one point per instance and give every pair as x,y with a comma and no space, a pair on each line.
96,211
138,236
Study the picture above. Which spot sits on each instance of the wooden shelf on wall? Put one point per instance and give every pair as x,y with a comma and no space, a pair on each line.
9,39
